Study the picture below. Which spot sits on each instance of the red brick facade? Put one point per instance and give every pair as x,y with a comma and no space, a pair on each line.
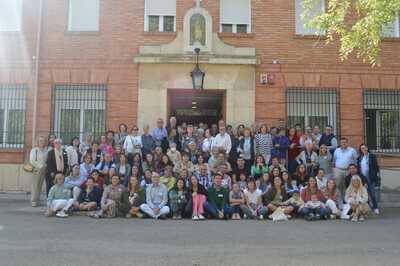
106,57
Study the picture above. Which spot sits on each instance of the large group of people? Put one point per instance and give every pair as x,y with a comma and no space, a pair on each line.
207,172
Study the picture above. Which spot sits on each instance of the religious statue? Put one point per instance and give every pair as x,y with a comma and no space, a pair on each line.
197,29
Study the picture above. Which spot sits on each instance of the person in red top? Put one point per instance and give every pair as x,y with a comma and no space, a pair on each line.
98,179
314,199
294,148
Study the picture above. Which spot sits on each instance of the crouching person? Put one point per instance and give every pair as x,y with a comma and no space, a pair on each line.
89,197
156,199
217,204
132,198
111,199
59,200
357,198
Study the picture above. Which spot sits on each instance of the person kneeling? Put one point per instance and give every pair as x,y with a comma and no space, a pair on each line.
59,200
156,198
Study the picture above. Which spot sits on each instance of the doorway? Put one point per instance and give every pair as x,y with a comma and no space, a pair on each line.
196,106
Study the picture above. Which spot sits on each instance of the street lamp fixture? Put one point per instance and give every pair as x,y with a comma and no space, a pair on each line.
197,75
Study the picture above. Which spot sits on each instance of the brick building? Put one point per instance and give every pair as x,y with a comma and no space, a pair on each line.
72,66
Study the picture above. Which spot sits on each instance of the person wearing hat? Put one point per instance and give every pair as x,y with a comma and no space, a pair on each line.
57,161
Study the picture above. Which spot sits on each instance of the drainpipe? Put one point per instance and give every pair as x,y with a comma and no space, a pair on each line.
36,78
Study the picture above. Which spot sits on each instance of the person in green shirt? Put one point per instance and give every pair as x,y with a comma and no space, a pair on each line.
217,204
259,167
168,179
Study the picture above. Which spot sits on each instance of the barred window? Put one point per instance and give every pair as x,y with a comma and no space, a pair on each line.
12,115
79,109
159,15
235,16
382,120
313,107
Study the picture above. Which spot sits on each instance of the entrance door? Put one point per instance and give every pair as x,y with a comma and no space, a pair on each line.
195,106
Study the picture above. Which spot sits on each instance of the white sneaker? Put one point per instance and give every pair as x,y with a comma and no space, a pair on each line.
354,219
201,217
244,216
361,219
345,216
376,211
195,217
261,217
61,214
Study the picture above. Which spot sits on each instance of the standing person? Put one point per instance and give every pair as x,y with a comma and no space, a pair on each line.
133,144
59,199
309,158
95,153
56,162
73,152
357,198
147,141
281,145
156,198
325,160
207,143
111,199
172,130
217,204
121,135
37,159
263,143
368,166
178,199
316,136
342,158
132,198
86,144
329,139
246,148
294,149
159,133
198,194
223,140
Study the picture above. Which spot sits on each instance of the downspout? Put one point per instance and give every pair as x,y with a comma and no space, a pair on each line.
36,78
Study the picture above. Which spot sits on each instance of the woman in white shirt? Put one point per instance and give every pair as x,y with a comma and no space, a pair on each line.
133,144
73,153
207,143
37,159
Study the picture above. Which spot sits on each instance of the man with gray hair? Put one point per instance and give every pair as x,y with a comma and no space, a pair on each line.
156,198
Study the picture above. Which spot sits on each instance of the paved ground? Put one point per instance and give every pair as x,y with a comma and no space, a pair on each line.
28,238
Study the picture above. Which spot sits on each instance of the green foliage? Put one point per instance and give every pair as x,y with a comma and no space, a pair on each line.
357,24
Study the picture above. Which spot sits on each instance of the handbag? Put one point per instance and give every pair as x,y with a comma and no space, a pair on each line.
28,167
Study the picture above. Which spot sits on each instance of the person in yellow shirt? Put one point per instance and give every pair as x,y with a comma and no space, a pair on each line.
168,179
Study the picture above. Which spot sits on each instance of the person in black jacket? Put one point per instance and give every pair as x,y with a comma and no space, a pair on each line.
57,162
90,197
329,139
367,164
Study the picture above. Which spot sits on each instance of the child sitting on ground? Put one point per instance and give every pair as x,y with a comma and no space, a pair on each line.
314,205
295,201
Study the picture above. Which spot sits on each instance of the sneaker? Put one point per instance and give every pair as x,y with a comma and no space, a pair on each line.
244,216
317,217
179,217
361,219
139,215
195,217
332,216
34,204
376,211
61,214
345,217
128,215
201,217
261,217
354,219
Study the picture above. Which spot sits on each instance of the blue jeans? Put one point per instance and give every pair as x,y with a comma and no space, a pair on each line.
372,195
323,212
213,210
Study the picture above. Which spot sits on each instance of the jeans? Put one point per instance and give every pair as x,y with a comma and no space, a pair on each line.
213,210
372,194
323,212
248,210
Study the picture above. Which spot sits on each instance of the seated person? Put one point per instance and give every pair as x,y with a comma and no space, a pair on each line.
168,179
178,199
156,199
353,170
240,169
59,200
310,190
252,200
312,208
236,200
185,164
322,180
74,182
132,198
198,195
217,204
90,197
104,166
226,179
111,199
295,201
98,180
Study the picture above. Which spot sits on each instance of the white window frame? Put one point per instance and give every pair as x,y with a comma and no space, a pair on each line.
17,27
396,23
70,17
234,25
305,31
160,20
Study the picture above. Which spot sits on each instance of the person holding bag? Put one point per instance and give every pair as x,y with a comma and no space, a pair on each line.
37,159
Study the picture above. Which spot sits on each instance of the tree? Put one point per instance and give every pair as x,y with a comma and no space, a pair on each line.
358,24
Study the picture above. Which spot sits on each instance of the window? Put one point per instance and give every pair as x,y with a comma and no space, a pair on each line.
313,107
235,16
392,30
160,16
84,15
79,109
301,22
12,116
10,15
382,120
